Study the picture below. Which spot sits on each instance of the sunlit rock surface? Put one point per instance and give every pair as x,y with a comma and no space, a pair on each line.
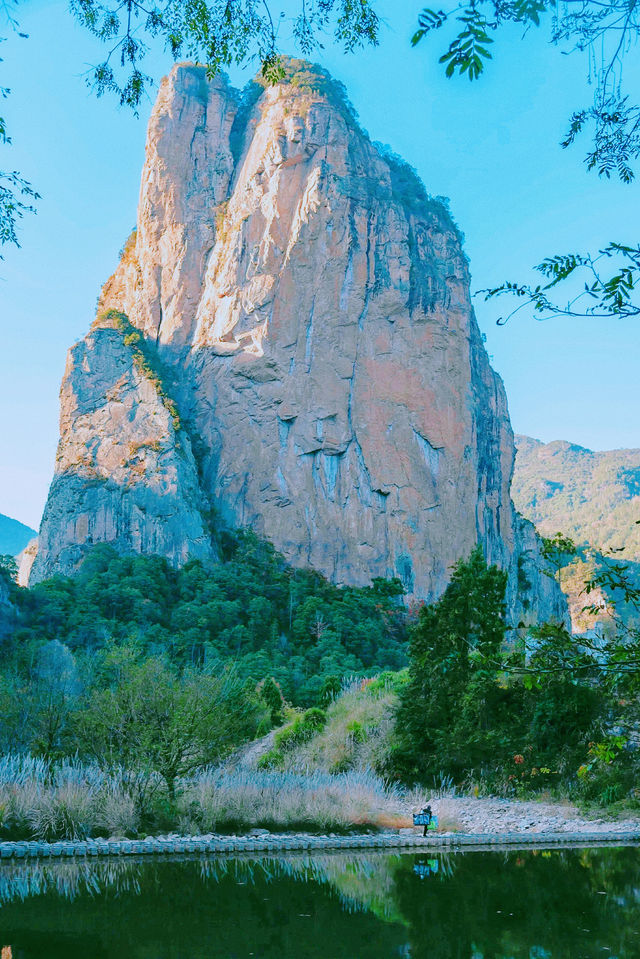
311,303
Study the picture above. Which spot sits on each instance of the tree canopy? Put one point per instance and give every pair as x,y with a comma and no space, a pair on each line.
466,714
252,610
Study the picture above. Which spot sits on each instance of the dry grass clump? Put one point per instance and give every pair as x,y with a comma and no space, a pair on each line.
42,800
119,814
235,799
22,780
69,809
72,801
357,735
447,812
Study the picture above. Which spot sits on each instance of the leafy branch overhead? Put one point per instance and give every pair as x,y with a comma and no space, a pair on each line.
16,193
218,33
605,32
468,50
604,285
221,33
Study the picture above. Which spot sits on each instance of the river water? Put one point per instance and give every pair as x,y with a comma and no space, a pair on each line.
536,904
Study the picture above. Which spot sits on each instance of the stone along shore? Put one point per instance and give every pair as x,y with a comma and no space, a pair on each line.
265,842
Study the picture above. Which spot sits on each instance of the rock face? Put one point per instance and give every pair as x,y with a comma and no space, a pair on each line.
124,473
25,561
310,305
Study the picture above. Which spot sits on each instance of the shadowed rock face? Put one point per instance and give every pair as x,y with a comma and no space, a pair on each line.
124,474
312,305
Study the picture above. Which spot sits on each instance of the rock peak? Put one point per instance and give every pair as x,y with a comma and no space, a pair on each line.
304,304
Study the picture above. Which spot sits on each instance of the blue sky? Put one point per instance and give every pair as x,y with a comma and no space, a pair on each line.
491,147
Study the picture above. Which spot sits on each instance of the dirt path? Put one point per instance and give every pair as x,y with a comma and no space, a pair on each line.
471,815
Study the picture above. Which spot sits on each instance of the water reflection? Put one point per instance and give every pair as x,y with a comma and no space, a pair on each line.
480,905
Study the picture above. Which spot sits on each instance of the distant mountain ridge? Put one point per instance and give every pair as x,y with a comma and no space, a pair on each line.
14,535
594,497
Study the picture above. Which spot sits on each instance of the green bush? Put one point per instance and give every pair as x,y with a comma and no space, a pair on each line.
301,730
251,609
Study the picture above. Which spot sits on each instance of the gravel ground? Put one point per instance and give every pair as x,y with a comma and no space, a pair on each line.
471,815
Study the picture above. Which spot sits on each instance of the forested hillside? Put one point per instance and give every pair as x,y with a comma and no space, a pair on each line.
252,610
593,497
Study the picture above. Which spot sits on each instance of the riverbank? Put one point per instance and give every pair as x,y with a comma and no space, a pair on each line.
47,810
488,815
269,842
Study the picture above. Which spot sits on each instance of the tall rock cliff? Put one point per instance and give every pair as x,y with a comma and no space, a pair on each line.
307,305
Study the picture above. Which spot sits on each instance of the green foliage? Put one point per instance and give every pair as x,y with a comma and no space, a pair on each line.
558,550
218,35
16,195
388,681
291,627
603,285
149,718
470,712
468,49
449,710
358,733
606,30
271,694
300,731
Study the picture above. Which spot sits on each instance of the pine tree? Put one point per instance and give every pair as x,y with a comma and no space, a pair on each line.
449,714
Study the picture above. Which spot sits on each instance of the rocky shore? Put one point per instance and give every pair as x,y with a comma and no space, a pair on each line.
466,814
478,823
300,841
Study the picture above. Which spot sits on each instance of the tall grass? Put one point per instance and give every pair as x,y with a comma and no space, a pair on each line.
43,800
237,799
358,733
70,800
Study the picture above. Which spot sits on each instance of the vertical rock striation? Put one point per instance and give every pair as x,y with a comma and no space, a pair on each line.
311,303
125,472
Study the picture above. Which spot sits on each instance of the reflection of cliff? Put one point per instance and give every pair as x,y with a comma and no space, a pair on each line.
310,305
